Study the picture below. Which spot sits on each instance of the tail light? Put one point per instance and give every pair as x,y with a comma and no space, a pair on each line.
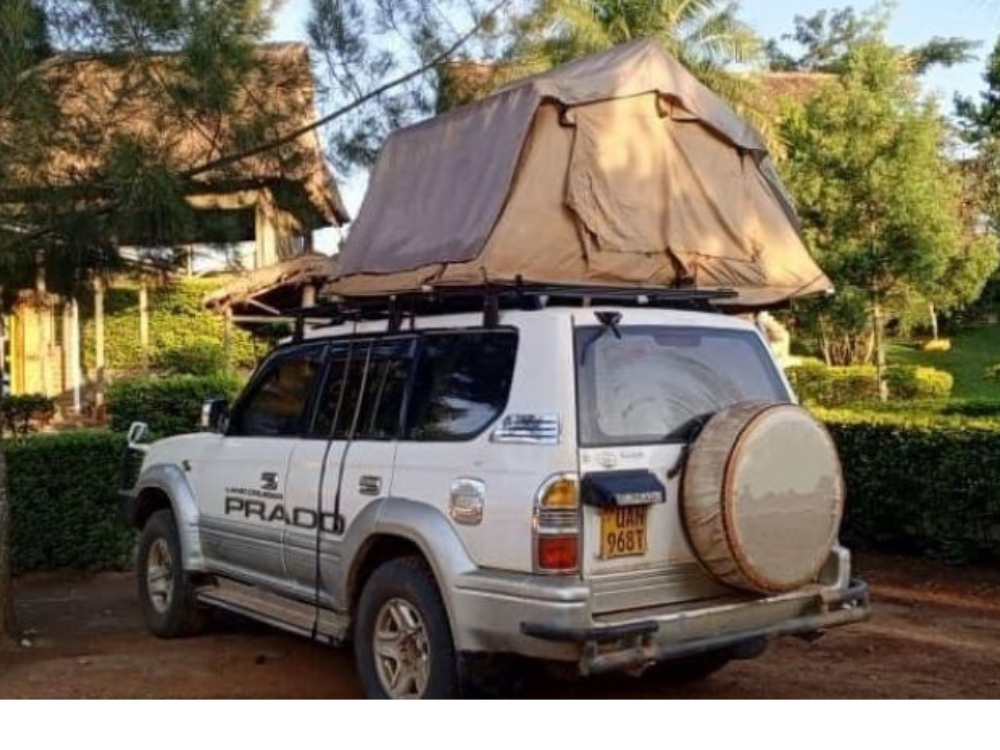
556,526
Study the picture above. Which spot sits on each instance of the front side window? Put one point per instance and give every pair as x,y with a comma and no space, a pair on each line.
656,382
278,398
461,384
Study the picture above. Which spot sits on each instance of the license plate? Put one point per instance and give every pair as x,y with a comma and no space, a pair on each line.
623,532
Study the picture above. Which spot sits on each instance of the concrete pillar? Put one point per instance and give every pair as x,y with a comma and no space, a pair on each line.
3,350
144,323
99,346
66,366
227,338
309,295
74,355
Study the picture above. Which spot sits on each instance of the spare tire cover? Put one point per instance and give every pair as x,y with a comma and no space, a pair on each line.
762,496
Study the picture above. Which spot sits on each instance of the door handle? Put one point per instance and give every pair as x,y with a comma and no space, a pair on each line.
370,485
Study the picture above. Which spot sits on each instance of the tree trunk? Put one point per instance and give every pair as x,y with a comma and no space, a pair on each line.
932,314
825,342
9,630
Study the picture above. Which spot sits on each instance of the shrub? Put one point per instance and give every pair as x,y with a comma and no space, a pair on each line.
817,384
920,484
909,382
20,415
63,502
169,405
992,372
936,345
973,408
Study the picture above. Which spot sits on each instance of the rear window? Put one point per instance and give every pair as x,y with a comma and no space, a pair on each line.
658,383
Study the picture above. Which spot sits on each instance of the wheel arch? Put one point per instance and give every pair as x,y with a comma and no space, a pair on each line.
397,527
163,486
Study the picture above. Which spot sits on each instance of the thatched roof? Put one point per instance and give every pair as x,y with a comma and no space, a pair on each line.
101,99
277,286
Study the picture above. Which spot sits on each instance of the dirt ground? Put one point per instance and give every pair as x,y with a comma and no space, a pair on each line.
935,634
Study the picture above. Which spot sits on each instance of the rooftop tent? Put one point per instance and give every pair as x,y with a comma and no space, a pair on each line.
620,169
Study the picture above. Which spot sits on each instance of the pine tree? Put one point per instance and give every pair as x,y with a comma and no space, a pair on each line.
67,221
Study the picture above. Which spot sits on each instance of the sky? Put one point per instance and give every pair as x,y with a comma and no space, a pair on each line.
913,22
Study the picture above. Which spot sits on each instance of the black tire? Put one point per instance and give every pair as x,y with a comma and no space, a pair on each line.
688,670
407,583
172,612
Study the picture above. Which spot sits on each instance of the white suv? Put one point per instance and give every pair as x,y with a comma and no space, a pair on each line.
625,487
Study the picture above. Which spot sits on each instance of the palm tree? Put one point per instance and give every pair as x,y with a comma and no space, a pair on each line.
706,36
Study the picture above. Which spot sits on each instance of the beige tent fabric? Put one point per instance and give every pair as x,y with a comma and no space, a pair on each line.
621,169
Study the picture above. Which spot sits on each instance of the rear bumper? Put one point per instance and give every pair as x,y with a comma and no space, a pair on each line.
553,619
617,646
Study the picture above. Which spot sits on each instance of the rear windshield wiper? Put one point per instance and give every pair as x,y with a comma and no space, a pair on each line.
609,322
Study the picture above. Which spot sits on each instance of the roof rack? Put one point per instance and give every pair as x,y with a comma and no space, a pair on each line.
492,298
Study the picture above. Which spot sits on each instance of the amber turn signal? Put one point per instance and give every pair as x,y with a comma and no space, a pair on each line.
560,494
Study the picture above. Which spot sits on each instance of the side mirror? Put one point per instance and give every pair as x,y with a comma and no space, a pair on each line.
137,433
215,415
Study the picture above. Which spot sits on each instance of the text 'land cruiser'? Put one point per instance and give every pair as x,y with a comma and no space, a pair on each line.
623,486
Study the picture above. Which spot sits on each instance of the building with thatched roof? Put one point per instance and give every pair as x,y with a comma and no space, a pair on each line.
267,293
273,201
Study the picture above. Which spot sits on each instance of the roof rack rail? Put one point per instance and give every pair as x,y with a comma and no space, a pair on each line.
492,298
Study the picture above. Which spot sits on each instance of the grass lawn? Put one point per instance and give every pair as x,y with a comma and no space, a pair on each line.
972,352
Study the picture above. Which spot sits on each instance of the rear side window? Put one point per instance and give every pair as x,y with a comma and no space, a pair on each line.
461,384
657,383
277,401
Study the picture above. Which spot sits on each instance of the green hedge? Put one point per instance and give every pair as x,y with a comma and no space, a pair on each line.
178,325
815,383
64,504
169,405
926,485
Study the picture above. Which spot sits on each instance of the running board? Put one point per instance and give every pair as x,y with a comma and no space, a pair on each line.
275,610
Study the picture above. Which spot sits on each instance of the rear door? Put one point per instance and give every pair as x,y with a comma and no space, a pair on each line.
347,462
643,391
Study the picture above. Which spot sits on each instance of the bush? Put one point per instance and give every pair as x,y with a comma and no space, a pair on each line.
936,345
169,405
973,408
817,384
21,415
992,372
909,382
920,484
63,502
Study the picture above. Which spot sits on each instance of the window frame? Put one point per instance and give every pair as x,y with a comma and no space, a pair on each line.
306,418
408,399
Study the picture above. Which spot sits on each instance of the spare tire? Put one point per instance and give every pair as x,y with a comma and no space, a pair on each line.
762,497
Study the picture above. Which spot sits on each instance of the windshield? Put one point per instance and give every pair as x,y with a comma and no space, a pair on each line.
659,384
